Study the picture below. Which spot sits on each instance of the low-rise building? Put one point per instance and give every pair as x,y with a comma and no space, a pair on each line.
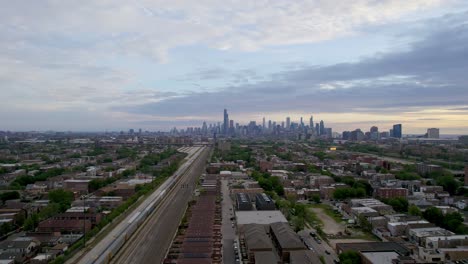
419,235
264,202
285,240
388,193
77,185
256,240
243,202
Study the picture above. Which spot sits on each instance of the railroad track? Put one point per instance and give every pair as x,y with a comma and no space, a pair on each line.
108,247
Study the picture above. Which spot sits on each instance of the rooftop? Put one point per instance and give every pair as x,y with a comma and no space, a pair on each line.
265,257
430,231
373,247
286,237
256,237
259,217
380,257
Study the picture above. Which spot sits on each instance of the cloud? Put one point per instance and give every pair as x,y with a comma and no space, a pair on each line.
77,56
430,74
153,28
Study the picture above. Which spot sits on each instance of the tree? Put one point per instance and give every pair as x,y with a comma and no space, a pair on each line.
350,257
449,183
364,185
9,196
316,198
5,228
414,210
348,192
51,210
433,215
364,223
61,197
31,222
454,222
451,221
399,204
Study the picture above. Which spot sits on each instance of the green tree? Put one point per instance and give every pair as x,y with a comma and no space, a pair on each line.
399,204
414,210
60,195
364,185
316,198
50,210
454,222
451,221
31,222
350,257
449,183
348,192
62,198
9,196
434,215
364,223
6,228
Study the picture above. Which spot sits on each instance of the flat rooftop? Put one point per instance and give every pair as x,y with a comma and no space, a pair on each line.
374,247
260,217
380,257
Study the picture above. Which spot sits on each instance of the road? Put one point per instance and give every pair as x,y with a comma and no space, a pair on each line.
151,243
318,248
228,231
194,163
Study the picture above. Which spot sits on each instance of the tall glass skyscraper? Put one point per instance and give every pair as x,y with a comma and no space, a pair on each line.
226,122
397,131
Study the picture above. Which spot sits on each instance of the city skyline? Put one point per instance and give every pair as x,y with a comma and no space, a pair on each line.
380,63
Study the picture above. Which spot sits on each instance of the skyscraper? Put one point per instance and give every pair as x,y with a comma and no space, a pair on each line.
288,122
263,123
432,133
322,127
311,122
205,128
226,122
397,131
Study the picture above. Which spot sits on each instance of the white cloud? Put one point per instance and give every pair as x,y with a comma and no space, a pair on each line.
52,53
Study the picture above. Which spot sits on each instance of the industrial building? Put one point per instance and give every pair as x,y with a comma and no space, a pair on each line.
264,202
243,202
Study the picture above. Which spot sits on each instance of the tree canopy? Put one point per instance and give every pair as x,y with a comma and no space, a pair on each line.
451,221
349,192
399,204
350,257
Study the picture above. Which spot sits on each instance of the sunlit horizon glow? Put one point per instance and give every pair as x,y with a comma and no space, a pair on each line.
155,65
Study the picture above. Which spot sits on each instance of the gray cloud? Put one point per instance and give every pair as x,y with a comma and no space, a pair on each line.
432,73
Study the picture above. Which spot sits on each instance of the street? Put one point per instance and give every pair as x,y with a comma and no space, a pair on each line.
229,234
318,248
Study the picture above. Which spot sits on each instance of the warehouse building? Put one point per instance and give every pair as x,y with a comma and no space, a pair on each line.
264,202
243,202
285,240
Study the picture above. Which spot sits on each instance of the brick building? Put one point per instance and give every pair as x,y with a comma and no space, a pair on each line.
388,193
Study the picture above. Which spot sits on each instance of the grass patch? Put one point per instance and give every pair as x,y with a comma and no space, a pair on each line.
361,234
328,209
313,219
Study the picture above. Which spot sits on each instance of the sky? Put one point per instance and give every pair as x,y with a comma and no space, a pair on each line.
115,65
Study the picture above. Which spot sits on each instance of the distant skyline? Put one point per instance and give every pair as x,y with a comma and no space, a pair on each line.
155,65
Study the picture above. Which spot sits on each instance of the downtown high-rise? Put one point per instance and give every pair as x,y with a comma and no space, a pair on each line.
226,122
